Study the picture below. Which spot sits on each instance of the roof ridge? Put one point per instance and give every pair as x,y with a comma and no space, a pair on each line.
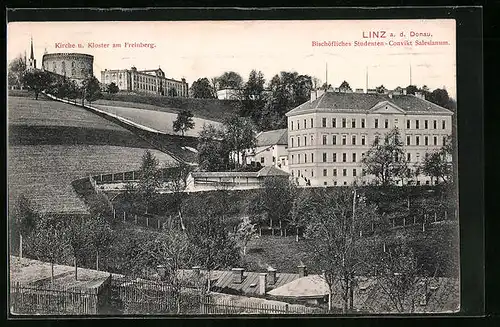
432,103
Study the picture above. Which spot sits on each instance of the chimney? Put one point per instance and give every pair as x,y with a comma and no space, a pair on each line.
404,91
420,95
302,270
314,95
390,95
272,275
262,283
360,91
238,275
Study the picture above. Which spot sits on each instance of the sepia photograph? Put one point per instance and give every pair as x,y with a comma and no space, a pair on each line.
232,167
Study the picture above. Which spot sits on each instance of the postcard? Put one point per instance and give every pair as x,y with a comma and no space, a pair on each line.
269,167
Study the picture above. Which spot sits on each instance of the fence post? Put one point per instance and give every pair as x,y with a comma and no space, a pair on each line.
404,221
114,213
281,230
286,308
158,223
147,221
136,219
124,216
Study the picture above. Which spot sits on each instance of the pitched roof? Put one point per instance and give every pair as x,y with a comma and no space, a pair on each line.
271,171
362,102
308,286
277,136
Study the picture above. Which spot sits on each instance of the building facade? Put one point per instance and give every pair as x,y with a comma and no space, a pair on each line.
75,66
152,81
329,135
271,149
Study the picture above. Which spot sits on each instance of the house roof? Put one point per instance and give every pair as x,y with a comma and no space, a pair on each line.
308,286
274,137
271,171
363,102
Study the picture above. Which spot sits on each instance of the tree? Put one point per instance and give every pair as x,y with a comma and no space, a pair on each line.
113,88
344,86
183,122
24,219
37,80
99,235
48,241
230,80
380,89
439,97
252,96
335,220
437,165
175,177
239,134
326,87
17,67
172,92
214,86
91,89
77,236
386,159
201,89
213,152
411,89
297,217
149,179
245,232
213,247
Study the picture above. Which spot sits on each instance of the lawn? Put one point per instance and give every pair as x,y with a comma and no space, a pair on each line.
52,143
212,109
159,120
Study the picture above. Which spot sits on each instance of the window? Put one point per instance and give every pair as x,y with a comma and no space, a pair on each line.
334,157
408,140
345,183
291,139
418,157
305,123
334,139
363,140
298,124
334,122
73,72
386,123
312,125
305,140
261,160
324,139
312,172
298,141
325,172
325,183
292,159
305,157
354,157
292,173
298,158
323,122
73,64
344,157
426,140
363,172
344,140
426,124
417,140
353,123
353,140
408,157
417,124
443,123
408,124
335,183
274,159
376,139
324,156
335,172
354,172
444,140
312,157
435,140
344,123
435,124
344,172
362,123
376,122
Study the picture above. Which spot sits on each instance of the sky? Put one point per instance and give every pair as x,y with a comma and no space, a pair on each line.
199,49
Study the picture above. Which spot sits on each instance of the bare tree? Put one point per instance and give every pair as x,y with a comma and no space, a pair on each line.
175,178
77,233
245,232
99,234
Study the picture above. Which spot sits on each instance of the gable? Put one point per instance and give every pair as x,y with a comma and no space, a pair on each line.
386,107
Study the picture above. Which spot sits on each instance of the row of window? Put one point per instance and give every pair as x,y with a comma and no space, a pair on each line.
296,142
335,172
353,123
303,158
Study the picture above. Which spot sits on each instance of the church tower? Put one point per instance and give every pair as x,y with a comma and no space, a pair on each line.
32,60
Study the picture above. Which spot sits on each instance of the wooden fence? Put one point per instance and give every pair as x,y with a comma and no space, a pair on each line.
41,300
210,305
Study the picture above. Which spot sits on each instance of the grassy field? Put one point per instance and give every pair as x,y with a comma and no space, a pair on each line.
159,120
211,109
51,144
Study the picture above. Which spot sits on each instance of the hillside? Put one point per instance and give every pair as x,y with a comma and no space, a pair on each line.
52,143
211,109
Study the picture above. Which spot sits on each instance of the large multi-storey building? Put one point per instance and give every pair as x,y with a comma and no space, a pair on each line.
75,66
329,135
152,81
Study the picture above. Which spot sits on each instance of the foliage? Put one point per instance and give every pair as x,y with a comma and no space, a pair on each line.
149,179
172,92
239,135
183,122
411,89
297,217
252,98
16,69
213,152
77,237
380,89
230,80
437,163
345,86
99,235
386,159
201,88
113,88
175,177
91,89
37,80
